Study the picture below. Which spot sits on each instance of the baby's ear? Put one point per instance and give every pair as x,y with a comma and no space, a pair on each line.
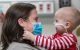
21,22
68,25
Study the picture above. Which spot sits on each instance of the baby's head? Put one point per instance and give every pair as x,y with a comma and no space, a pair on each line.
67,19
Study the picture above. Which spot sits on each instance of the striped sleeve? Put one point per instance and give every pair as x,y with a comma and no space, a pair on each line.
47,37
63,42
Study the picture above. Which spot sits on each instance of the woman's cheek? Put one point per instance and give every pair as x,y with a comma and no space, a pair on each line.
30,27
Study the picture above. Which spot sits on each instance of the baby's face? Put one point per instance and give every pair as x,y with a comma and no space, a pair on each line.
67,18
61,23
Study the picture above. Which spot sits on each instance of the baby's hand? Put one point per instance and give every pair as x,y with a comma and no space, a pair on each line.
28,35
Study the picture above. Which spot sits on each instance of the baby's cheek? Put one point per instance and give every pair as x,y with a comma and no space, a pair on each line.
60,29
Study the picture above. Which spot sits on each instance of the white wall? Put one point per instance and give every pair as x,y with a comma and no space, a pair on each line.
56,3
7,3
76,3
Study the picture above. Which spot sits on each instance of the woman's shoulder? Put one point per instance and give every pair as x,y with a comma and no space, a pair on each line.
20,46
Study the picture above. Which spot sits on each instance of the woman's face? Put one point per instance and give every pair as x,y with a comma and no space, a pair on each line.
27,25
33,14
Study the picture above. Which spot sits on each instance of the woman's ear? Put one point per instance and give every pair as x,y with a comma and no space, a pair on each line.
21,22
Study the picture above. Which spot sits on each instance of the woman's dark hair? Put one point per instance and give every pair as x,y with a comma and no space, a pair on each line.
11,30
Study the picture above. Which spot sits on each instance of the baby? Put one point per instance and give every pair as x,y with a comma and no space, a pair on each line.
66,20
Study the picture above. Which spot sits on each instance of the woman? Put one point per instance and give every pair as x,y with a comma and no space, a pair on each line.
17,19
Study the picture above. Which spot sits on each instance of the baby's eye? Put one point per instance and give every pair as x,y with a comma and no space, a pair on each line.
56,20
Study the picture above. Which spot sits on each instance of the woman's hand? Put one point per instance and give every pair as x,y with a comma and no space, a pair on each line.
28,35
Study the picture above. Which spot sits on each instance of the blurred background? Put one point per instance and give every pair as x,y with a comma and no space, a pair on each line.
46,10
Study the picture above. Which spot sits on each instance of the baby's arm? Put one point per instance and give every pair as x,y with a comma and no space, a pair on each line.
30,36
47,36
63,42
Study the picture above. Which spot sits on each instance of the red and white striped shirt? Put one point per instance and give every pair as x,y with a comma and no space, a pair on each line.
67,41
